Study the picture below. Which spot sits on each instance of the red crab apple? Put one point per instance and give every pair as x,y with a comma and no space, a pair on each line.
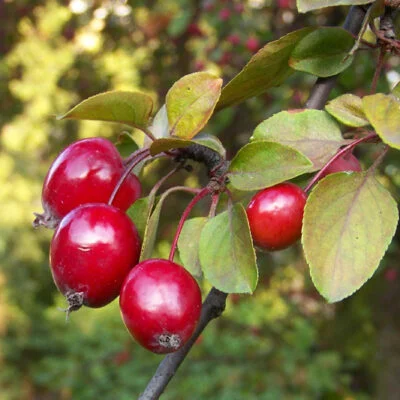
199,65
224,14
239,8
85,172
160,304
275,216
209,6
252,44
194,30
233,39
226,58
92,251
283,4
346,163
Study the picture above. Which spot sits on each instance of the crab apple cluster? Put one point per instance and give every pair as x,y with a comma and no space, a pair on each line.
275,216
94,253
95,244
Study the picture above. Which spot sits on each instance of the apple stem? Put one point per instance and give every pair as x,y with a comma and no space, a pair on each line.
139,156
203,193
378,160
157,186
339,154
378,70
135,155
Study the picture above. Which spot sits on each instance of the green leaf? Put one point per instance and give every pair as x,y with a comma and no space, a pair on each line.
188,244
227,254
203,139
160,126
139,213
308,5
383,112
125,144
262,164
150,234
129,108
323,52
313,133
179,22
190,103
348,110
165,144
268,68
349,221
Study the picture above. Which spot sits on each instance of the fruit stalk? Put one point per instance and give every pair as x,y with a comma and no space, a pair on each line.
203,193
140,157
339,154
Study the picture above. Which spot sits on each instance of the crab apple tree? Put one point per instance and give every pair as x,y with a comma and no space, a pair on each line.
294,167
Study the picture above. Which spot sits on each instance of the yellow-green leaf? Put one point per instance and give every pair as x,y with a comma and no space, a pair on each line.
188,244
349,221
348,110
383,112
313,133
129,108
190,103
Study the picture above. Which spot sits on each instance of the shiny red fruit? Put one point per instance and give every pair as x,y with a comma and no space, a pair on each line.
346,163
160,304
92,251
85,172
275,216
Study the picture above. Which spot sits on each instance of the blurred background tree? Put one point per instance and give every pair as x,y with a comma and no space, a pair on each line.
285,342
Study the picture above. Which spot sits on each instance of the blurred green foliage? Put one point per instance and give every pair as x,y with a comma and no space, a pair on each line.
285,342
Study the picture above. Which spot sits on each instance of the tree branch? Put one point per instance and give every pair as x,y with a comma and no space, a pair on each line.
212,308
215,302
323,86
